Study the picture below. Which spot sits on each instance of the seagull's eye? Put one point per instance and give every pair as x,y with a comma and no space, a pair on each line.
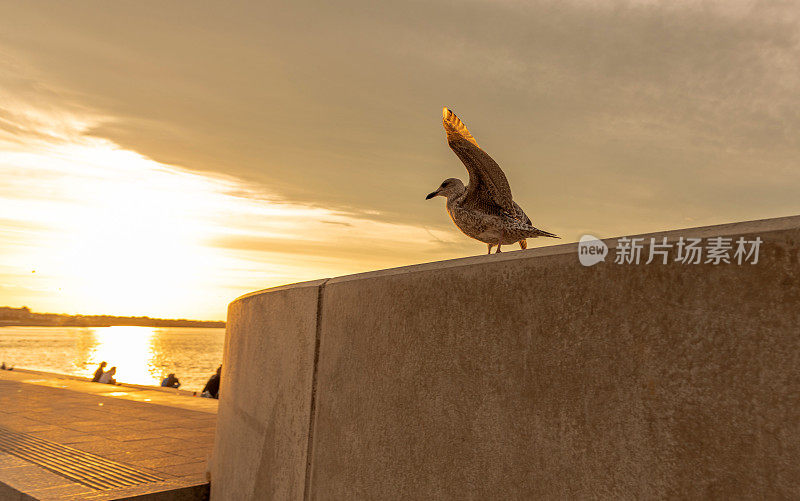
443,185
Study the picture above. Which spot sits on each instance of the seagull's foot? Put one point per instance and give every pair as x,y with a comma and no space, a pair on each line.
498,249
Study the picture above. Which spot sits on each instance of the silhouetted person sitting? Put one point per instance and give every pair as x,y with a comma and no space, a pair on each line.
211,389
108,376
170,381
98,373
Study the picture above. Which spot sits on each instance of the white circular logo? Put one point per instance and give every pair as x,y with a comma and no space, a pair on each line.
591,250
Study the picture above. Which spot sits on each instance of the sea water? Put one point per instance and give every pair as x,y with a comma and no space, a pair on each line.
142,355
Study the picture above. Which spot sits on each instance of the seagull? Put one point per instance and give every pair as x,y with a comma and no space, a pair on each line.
482,210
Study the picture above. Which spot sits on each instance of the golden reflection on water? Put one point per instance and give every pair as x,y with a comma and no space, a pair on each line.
129,349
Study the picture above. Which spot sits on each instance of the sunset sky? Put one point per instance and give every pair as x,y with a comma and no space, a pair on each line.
162,158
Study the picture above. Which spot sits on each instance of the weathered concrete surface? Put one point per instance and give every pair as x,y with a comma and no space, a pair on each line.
265,397
527,375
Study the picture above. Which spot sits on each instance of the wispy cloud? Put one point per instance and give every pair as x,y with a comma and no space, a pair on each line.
92,227
234,153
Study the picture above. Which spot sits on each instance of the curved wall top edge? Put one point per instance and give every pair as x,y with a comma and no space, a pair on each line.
744,227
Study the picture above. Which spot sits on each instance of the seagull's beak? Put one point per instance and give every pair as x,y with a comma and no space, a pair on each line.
431,195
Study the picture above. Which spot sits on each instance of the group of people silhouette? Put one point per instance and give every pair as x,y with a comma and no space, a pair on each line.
210,390
105,377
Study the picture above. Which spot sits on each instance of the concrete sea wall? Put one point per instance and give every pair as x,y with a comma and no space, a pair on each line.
521,375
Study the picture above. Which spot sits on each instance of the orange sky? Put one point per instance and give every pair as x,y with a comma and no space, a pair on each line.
161,159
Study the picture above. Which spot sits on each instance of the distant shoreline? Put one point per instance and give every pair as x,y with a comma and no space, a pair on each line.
198,323
23,317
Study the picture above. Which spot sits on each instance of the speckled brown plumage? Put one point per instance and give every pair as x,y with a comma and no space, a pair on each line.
484,209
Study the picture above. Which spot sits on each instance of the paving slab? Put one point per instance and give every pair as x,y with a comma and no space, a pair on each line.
164,396
161,435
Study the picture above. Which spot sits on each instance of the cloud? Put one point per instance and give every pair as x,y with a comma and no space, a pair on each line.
619,117
110,230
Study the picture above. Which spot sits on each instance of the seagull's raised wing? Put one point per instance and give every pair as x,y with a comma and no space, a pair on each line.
488,187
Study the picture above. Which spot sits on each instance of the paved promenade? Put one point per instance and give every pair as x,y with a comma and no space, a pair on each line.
66,439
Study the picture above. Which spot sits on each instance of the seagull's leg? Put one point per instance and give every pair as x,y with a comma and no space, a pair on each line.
523,244
490,248
498,247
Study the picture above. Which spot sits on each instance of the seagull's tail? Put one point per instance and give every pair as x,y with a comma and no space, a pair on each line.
536,232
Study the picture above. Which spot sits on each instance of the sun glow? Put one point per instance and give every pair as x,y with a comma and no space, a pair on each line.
88,227
116,231
125,348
